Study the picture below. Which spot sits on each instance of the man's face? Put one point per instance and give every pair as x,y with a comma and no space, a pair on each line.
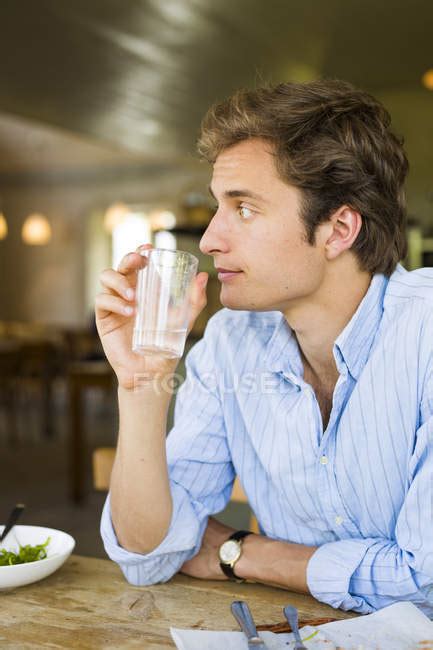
257,232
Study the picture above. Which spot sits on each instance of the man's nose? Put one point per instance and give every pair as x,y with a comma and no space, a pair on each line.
215,239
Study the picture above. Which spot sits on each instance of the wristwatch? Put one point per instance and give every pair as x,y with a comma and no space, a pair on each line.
230,552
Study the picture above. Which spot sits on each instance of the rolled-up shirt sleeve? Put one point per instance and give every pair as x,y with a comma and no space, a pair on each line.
200,471
367,574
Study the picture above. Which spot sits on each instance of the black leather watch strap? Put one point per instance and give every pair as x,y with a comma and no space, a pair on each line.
240,534
226,568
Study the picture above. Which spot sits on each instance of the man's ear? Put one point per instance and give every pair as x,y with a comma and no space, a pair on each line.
341,231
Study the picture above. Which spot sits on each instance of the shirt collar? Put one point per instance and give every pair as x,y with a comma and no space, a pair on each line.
352,346
282,350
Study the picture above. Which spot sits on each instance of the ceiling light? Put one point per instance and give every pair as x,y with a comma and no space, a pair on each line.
115,215
36,230
3,226
162,220
427,79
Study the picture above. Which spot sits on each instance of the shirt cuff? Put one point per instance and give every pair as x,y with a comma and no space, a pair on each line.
180,544
329,572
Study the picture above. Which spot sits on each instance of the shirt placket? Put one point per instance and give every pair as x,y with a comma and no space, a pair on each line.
332,504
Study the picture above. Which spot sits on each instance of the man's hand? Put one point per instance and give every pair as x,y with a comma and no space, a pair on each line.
205,564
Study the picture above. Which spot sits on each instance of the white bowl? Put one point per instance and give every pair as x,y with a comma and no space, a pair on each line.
58,550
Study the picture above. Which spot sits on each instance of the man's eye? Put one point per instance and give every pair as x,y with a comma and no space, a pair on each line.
246,213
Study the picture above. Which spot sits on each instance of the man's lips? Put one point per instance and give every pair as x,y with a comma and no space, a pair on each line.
225,274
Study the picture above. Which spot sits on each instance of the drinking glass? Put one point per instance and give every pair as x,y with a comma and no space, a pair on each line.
163,302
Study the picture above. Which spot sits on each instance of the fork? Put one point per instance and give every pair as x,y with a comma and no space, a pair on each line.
291,614
12,520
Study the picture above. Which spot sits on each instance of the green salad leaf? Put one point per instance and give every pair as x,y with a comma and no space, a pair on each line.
25,554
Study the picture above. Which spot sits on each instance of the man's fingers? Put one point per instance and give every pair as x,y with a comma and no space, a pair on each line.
133,261
143,247
114,282
106,303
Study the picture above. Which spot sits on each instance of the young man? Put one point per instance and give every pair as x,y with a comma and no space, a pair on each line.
314,385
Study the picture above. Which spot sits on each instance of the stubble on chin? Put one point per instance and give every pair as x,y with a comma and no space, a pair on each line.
230,300
238,302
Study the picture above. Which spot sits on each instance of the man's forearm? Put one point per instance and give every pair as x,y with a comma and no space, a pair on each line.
141,504
275,563
264,560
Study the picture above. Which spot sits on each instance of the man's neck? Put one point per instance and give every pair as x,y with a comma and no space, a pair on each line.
318,321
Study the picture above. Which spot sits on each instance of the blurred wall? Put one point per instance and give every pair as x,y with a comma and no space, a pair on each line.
411,113
47,283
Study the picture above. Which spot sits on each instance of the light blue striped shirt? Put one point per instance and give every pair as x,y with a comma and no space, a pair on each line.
362,490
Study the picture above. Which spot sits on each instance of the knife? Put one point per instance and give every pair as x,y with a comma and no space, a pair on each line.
12,520
242,614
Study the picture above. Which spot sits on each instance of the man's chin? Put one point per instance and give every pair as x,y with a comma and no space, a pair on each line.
239,303
231,301
228,304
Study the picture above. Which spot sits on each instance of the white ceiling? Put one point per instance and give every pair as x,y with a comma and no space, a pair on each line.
27,147
110,83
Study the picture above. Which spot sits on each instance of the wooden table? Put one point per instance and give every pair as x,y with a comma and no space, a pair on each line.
88,604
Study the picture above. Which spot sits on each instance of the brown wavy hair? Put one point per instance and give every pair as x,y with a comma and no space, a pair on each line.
334,143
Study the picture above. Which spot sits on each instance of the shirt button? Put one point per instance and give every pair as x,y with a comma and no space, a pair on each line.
323,460
339,520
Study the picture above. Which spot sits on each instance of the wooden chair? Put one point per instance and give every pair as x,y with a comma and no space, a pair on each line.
81,376
39,365
9,370
103,459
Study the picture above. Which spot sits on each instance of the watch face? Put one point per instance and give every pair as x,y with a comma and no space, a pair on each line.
230,551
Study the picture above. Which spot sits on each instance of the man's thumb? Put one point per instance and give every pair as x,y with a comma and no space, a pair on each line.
198,297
